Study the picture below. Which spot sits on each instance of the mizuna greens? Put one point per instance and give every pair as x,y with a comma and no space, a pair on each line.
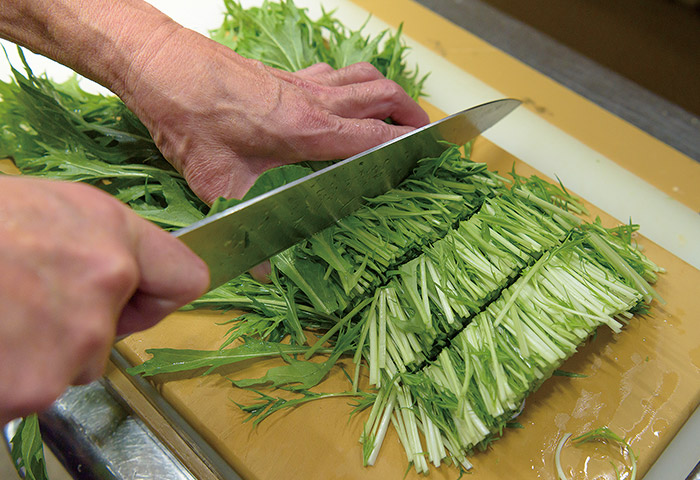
351,258
28,451
283,36
457,293
506,351
431,298
61,132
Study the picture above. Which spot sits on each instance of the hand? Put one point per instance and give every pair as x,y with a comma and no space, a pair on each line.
222,120
77,267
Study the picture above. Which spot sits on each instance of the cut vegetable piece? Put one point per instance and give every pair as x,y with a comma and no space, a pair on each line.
476,383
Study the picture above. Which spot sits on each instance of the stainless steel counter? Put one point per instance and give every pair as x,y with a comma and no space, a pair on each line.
96,435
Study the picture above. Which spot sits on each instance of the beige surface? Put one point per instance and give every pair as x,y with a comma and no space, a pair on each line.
643,383
6,166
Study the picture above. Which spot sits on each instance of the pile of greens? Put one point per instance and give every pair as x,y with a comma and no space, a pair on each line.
58,130
459,292
467,394
283,36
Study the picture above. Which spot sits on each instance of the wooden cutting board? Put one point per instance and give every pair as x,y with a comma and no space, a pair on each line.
643,383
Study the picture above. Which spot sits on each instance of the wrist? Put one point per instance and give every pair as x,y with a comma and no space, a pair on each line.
99,39
133,46
116,35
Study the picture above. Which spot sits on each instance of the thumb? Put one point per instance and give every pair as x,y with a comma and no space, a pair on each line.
171,276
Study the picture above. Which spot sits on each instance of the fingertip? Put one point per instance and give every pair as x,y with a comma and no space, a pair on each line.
421,117
169,268
406,111
378,99
199,278
261,272
184,284
171,276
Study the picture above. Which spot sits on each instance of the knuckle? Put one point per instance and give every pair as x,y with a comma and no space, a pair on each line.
383,92
366,67
92,337
394,91
366,71
114,269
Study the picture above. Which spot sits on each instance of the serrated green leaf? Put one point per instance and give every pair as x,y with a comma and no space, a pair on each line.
170,360
300,373
28,450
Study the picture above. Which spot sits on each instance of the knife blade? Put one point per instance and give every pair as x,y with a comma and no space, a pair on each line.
235,240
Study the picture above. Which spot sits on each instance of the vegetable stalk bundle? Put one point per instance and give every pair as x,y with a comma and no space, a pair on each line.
431,298
350,259
467,394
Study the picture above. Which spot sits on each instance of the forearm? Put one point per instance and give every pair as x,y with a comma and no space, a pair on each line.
100,39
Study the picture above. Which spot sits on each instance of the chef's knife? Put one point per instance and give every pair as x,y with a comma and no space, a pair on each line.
235,240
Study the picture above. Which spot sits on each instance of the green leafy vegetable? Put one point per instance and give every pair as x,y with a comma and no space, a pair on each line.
28,450
283,36
304,373
61,132
268,404
268,180
166,360
563,373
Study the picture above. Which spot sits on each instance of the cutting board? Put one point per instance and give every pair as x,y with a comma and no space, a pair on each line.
643,383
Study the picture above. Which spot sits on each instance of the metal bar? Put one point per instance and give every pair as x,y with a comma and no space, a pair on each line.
95,438
197,446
